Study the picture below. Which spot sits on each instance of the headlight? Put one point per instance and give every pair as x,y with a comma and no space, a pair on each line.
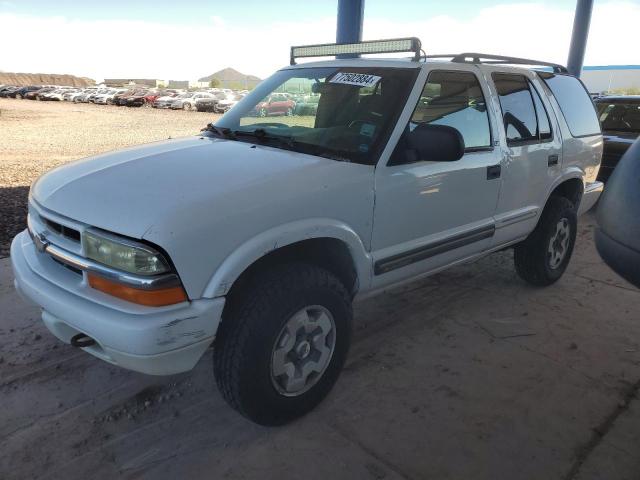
123,254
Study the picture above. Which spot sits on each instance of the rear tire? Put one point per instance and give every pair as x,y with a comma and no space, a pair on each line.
543,257
290,320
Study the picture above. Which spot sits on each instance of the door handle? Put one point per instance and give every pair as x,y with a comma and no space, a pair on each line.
493,172
552,160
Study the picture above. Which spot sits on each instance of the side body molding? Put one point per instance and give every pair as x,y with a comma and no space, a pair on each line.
257,247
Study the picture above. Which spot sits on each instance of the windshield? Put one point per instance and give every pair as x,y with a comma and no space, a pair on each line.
355,109
620,116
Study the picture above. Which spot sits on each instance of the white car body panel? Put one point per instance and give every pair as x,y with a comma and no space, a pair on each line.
290,187
216,206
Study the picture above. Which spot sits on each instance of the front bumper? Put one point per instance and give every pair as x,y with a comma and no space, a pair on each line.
592,192
152,340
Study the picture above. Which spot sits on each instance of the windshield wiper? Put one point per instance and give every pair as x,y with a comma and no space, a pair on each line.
220,131
262,136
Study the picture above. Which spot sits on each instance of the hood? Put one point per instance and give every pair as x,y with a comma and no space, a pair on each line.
131,190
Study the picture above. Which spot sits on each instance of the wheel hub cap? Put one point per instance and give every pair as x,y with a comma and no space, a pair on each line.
559,243
303,350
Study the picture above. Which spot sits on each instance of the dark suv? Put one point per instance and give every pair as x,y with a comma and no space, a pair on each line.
620,120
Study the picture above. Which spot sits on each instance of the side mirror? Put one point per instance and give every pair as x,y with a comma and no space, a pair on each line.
436,143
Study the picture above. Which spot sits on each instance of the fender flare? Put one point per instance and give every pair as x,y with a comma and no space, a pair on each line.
570,173
257,247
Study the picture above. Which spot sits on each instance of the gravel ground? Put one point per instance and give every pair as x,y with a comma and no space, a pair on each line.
38,136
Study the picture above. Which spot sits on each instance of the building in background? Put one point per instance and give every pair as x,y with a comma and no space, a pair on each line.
608,78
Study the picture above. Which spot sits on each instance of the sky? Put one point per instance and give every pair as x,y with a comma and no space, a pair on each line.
189,39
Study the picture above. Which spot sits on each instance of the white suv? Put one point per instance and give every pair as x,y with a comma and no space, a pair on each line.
256,235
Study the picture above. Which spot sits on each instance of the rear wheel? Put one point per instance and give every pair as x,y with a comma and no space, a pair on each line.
289,112
283,342
262,112
543,257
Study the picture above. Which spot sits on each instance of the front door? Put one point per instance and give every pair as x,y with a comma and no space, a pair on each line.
430,214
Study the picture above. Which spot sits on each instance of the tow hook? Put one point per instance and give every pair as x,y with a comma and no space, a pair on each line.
81,341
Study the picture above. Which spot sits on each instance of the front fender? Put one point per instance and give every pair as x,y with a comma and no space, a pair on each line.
257,247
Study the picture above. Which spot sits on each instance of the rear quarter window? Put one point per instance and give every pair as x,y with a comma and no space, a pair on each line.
575,104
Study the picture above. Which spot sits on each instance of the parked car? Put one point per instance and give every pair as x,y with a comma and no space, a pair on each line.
153,94
120,99
91,98
164,101
57,95
275,104
137,99
71,95
7,90
22,91
255,236
228,102
620,120
106,98
35,94
306,105
188,101
208,104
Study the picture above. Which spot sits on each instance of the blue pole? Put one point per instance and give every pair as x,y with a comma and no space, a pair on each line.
350,17
579,36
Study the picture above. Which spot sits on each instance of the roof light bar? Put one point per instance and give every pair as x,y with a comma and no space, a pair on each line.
394,45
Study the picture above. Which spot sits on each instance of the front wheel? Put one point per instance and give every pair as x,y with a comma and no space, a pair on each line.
186,106
543,257
283,342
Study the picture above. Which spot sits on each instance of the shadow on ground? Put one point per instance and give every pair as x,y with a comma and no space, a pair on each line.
13,215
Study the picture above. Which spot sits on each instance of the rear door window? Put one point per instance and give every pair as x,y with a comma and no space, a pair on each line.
544,126
575,103
518,111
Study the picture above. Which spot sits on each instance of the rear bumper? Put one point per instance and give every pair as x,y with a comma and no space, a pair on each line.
592,192
156,341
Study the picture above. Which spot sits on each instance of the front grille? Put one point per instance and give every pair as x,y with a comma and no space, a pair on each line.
66,232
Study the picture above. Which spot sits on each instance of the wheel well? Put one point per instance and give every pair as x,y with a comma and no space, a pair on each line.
328,253
570,189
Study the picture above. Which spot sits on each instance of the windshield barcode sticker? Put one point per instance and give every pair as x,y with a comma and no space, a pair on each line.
358,79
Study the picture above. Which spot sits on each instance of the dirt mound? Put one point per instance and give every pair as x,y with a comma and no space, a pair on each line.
7,78
231,78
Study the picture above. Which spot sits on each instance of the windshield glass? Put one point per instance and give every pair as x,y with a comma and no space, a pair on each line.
619,116
350,117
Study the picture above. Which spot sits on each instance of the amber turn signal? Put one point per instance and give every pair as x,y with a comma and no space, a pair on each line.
149,298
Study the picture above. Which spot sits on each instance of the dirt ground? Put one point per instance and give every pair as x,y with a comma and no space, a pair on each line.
469,374
38,136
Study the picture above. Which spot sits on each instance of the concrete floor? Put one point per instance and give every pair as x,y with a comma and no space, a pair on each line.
470,374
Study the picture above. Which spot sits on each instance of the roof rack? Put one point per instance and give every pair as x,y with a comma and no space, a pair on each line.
470,57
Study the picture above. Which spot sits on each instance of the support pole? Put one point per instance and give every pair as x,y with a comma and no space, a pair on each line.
579,36
349,27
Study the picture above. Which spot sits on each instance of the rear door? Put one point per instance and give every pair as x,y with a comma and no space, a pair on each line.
532,147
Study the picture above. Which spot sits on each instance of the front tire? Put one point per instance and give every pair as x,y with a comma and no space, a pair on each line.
187,106
283,342
543,257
